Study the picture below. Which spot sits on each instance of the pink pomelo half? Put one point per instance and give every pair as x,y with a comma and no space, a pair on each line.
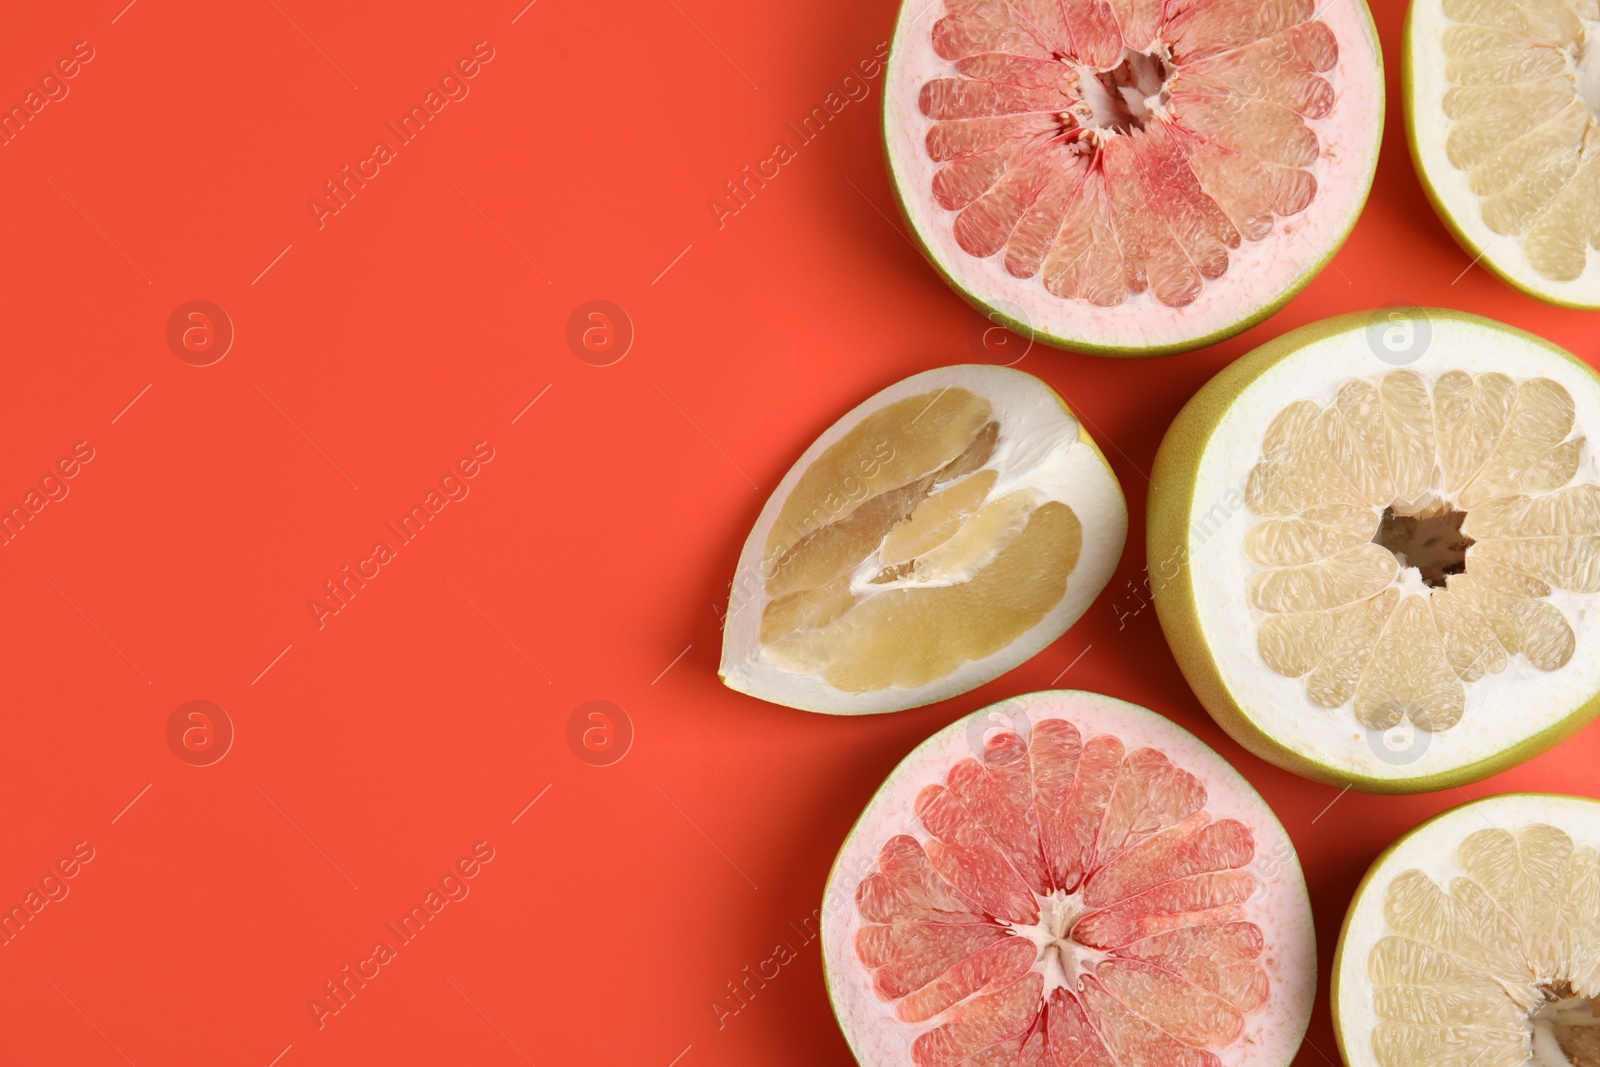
1068,880
1132,176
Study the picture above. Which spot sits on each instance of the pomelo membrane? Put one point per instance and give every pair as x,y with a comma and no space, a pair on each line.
1503,118
1474,941
1068,880
941,533
1128,177
1365,558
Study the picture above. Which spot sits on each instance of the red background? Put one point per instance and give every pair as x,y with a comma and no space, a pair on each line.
593,550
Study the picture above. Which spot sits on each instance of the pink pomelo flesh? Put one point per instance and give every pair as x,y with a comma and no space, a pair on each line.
1069,895
1112,148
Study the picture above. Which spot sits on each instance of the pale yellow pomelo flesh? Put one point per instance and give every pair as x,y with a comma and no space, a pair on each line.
1361,567
1503,112
935,537
1474,941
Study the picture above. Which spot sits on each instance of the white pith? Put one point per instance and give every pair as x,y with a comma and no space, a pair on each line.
1432,849
1425,71
1277,705
1260,273
1280,907
1061,958
1042,449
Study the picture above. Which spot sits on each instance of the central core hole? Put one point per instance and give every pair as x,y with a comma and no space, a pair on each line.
1119,98
1565,1029
1429,539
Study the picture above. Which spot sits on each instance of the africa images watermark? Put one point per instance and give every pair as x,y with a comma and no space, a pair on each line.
452,888
53,489
53,89
1202,529
339,591
453,87
753,178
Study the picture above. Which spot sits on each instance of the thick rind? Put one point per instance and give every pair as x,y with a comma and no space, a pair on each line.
1291,954
1431,848
1101,508
1003,310
1169,520
1502,255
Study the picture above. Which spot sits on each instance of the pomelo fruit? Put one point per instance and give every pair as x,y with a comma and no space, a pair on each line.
1474,941
1068,880
1128,177
942,532
1503,116
1374,545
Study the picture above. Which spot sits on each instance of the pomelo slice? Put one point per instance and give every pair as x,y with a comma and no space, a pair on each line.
1068,880
1474,941
941,533
1127,177
1503,115
1384,576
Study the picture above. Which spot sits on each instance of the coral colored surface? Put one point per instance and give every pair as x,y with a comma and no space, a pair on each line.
389,744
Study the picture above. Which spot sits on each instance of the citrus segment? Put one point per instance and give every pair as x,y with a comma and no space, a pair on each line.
1400,541
938,535
1505,125
1074,157
1064,895
1473,941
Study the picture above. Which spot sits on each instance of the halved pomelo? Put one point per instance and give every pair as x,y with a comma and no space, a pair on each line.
1068,880
1130,177
1474,941
1384,576
1503,115
941,533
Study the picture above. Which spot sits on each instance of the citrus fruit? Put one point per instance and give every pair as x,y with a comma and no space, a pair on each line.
1128,177
1474,941
938,535
1374,546
1503,115
1068,880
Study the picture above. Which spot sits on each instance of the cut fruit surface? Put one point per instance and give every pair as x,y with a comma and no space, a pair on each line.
1503,113
1475,941
935,537
1412,550
1128,177
1067,880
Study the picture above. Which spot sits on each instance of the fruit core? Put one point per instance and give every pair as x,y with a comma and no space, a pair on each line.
1566,1028
1468,482
1114,150
1120,100
1065,894
1427,538
1061,959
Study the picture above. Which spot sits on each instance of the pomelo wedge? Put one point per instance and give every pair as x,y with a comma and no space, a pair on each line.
941,533
1474,941
1384,576
1127,177
1068,880
1503,115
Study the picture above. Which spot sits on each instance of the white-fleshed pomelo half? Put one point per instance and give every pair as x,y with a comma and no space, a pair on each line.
1474,941
1374,547
1131,177
1068,880
1503,115
941,533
